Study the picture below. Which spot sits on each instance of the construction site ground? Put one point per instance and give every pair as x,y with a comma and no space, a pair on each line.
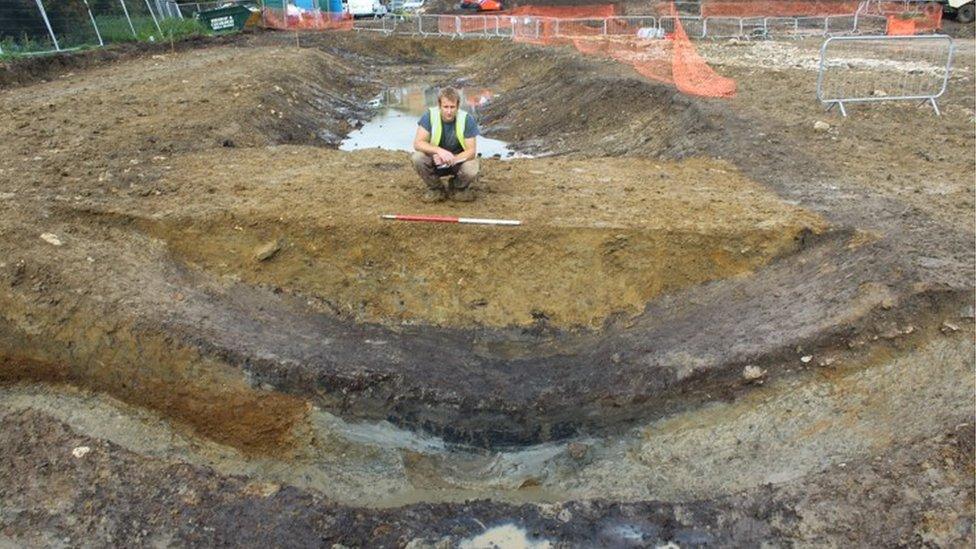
720,322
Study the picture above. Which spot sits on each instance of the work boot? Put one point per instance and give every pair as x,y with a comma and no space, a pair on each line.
458,194
433,195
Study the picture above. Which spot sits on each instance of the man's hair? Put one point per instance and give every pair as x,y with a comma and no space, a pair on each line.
450,94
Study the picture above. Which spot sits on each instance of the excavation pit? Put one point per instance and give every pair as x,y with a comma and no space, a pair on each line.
713,312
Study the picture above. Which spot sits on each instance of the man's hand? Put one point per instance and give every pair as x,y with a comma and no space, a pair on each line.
443,157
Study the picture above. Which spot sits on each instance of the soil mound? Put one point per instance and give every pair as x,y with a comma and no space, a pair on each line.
568,104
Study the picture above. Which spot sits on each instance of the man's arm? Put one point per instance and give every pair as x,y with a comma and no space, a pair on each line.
421,143
470,150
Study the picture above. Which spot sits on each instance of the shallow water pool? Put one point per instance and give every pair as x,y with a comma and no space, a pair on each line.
399,109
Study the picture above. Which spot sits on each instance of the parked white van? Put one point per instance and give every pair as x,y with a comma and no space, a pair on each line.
366,8
411,6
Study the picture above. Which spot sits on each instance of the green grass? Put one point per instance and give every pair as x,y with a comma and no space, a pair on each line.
178,29
114,29
25,45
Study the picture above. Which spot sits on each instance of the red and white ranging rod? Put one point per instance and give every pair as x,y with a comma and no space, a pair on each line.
447,219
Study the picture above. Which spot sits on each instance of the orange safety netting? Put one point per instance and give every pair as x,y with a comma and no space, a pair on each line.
904,18
565,12
900,27
907,23
590,29
673,59
691,73
572,28
305,20
545,24
450,24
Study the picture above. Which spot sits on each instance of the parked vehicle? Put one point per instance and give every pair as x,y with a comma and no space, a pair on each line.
366,8
963,10
482,5
413,6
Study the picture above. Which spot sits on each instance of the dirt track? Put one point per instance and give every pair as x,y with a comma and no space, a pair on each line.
669,243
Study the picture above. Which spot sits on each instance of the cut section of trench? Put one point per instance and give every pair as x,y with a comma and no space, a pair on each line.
867,402
322,316
423,274
301,226
152,371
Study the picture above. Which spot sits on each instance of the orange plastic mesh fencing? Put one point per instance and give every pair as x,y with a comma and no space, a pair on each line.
582,27
544,24
902,22
305,20
900,27
450,24
777,8
692,75
447,24
480,24
623,27
651,59
673,60
565,12
614,26
592,46
933,20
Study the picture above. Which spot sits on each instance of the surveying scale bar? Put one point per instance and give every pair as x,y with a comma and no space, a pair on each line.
446,219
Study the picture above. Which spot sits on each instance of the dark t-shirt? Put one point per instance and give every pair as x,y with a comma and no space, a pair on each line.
449,134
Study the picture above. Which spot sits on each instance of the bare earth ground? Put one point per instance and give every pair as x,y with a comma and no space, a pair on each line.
252,356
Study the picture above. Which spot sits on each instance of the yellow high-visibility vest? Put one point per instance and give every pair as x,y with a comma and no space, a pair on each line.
436,128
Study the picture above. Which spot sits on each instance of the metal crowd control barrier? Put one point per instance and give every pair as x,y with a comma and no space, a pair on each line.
537,27
428,25
866,24
694,26
781,27
861,69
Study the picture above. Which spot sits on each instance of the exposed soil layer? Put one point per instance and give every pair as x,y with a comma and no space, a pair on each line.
916,494
636,230
179,233
187,389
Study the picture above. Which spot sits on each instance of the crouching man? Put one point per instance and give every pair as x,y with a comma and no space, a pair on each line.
446,145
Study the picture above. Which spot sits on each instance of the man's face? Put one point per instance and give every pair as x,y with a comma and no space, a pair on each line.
448,109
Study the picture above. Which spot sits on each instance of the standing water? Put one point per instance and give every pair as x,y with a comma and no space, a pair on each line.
395,123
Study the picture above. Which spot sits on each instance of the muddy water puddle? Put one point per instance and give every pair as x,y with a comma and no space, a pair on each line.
399,109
